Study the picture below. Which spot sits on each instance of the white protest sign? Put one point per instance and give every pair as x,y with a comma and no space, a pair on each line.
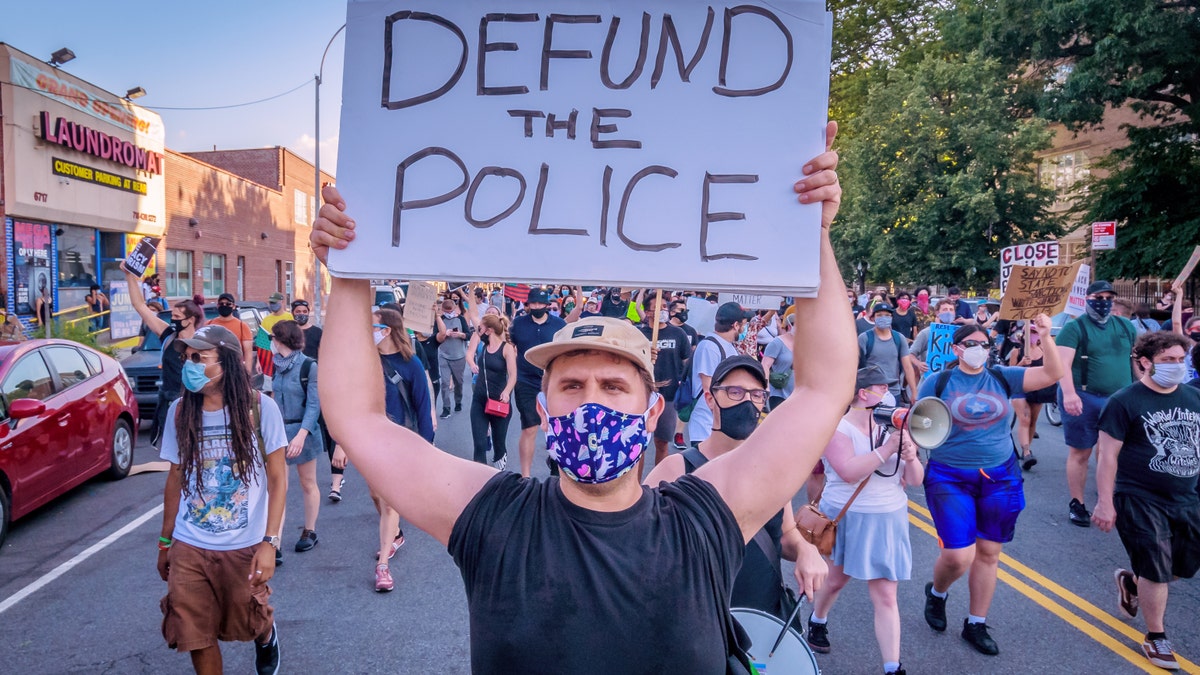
702,315
1030,255
123,320
1077,302
649,143
418,307
748,301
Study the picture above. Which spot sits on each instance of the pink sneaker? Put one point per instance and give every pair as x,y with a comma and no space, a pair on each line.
396,544
383,579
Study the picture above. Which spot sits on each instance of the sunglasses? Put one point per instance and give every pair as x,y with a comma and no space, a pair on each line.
195,357
736,393
975,343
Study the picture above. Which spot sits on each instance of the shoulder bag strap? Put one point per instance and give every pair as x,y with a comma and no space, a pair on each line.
256,419
850,501
1081,353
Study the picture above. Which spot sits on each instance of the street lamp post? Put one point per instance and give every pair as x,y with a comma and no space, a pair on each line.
317,170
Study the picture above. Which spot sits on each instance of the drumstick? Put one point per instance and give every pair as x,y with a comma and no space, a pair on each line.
786,626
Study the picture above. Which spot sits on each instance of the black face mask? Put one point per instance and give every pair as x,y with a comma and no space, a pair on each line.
225,310
1195,337
177,324
740,420
538,313
682,315
301,319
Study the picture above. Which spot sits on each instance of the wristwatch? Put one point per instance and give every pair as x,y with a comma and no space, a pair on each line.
274,541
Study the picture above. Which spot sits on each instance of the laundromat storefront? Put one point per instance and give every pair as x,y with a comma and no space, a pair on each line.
83,182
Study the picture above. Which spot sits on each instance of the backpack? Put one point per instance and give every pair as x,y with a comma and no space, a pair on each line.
685,400
1081,351
867,351
410,413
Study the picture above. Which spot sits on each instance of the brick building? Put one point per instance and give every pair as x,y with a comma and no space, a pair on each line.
238,221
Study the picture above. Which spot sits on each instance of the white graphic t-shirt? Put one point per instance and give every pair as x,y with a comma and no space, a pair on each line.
228,514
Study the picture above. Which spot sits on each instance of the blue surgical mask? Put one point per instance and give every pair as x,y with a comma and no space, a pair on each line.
1167,375
946,317
194,378
745,331
275,306
884,322
596,444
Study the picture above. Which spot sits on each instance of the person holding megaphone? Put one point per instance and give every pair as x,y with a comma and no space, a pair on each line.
867,467
973,482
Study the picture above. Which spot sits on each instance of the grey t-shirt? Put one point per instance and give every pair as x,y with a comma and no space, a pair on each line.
454,348
704,361
884,355
783,361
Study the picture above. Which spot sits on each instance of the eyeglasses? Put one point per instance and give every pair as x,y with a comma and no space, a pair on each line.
736,393
975,343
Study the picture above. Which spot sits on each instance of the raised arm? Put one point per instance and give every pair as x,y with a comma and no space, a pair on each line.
149,316
472,347
428,487
1051,370
761,475
576,311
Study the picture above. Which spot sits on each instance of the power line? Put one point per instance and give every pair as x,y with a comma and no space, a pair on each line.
235,105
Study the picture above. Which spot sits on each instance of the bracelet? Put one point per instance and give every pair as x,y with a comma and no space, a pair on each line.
881,459
163,547
166,540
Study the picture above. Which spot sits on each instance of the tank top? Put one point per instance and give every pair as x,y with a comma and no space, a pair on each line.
495,370
881,495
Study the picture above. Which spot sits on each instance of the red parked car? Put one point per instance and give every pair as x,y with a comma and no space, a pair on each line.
67,413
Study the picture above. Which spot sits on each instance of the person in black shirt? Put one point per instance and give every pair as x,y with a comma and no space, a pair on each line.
312,332
679,317
1146,483
545,562
904,319
186,317
670,353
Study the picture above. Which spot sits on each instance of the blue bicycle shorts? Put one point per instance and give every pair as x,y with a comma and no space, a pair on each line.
970,504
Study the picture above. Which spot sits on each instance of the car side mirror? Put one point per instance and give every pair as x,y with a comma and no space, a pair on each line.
24,408
136,349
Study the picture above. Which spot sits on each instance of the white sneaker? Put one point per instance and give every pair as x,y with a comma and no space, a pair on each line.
501,463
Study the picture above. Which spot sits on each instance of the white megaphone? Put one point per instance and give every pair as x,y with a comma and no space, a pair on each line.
928,421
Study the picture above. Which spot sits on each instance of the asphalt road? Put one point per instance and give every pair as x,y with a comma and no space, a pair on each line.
79,591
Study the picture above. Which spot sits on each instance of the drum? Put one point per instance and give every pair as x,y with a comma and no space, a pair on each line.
791,657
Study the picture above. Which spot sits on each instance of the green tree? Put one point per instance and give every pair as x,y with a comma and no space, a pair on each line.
1078,58
939,174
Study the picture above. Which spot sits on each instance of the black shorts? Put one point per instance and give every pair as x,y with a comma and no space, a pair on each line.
525,395
1161,538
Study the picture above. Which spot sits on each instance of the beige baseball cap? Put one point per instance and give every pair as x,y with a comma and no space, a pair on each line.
605,334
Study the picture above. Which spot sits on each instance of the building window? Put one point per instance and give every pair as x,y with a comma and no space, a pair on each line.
179,274
278,276
1062,172
241,277
288,279
214,274
300,207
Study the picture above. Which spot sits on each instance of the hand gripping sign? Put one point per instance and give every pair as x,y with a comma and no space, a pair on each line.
648,143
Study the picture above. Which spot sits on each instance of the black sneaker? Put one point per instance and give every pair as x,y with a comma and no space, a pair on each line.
898,671
308,539
1079,514
278,558
266,657
445,413
458,407
1028,462
977,635
935,609
818,637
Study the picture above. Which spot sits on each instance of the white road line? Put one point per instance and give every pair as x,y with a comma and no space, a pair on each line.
68,565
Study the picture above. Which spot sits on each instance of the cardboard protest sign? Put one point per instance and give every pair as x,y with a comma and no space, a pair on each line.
938,355
418,307
1077,302
1188,268
142,256
648,143
123,320
748,301
1031,255
1038,290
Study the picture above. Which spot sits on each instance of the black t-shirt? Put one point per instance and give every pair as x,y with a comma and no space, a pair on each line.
905,324
172,364
693,336
526,333
556,588
1161,433
312,341
428,351
616,309
674,349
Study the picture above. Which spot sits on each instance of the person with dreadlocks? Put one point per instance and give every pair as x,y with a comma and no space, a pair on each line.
225,490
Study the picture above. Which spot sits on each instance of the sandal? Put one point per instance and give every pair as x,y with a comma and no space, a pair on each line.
1028,461
335,496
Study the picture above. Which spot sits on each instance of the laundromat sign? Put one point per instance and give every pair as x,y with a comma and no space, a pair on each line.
84,139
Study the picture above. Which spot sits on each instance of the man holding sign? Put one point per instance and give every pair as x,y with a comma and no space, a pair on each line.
546,562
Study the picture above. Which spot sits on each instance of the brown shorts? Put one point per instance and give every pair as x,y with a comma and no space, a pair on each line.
209,599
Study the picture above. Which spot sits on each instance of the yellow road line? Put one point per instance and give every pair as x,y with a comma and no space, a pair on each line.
1137,659
1083,605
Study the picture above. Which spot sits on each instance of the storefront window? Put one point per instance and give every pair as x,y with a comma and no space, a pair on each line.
76,256
214,274
32,245
179,274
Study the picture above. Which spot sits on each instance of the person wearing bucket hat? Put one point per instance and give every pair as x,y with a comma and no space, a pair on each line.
543,561
222,505
1097,349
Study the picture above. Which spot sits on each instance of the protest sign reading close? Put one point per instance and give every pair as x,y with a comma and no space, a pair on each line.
1038,290
1031,255
418,307
938,355
648,143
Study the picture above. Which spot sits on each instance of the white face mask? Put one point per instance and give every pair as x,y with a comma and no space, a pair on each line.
379,336
1167,375
974,357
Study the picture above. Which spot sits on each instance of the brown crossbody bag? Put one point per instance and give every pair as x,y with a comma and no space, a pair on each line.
816,527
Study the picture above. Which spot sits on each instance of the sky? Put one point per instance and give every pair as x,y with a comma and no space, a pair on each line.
202,55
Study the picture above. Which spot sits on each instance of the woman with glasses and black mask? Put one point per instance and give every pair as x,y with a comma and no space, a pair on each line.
973,483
